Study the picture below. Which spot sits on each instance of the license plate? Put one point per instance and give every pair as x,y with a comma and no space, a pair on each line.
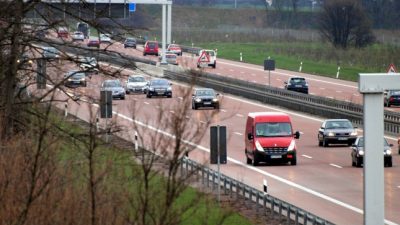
276,156
207,103
342,139
160,92
298,86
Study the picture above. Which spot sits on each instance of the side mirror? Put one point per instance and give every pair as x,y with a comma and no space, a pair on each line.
322,128
391,145
170,84
297,135
250,136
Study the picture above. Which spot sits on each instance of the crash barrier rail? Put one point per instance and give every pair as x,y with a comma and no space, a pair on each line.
315,105
263,201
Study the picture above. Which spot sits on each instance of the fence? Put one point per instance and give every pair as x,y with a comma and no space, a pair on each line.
263,201
315,105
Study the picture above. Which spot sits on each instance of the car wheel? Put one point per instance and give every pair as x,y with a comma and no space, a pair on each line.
350,143
214,65
325,142
216,107
192,105
144,54
293,162
127,92
123,97
353,164
195,107
198,66
255,160
389,164
358,162
248,160
319,142
148,96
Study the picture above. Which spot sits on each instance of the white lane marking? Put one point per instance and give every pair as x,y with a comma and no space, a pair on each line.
356,95
218,73
239,115
334,165
146,103
398,186
322,88
307,156
347,100
339,91
290,75
278,79
172,112
290,183
330,97
223,110
180,98
301,132
312,93
240,134
187,117
255,169
254,81
203,122
253,74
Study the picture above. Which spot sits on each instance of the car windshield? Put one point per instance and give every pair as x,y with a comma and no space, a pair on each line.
211,53
151,44
111,83
361,142
170,56
136,79
159,82
76,74
130,40
278,129
297,80
205,93
78,33
339,124
50,50
173,46
394,92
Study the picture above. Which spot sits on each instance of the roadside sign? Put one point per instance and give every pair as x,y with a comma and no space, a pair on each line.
105,104
391,69
132,7
269,64
204,59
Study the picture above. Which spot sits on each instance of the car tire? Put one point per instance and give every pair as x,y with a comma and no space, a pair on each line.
319,142
192,106
389,164
248,160
127,92
293,162
216,107
144,54
325,142
214,65
195,107
148,96
353,164
358,162
255,160
123,97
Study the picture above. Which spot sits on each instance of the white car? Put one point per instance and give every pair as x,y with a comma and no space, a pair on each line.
105,38
78,36
207,58
135,84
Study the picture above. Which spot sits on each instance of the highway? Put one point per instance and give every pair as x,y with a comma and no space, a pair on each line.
323,182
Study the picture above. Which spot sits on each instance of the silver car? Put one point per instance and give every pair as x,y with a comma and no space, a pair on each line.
336,131
115,87
135,84
78,36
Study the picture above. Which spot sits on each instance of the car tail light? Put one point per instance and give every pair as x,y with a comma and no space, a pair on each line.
391,98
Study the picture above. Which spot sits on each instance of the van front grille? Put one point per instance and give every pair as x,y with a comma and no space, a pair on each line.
275,150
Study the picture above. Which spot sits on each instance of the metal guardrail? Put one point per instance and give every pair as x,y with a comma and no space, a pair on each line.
315,105
263,201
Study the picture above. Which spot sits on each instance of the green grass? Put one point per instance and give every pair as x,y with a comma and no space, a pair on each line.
317,58
124,175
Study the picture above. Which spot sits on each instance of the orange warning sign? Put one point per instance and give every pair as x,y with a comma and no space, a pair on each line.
391,69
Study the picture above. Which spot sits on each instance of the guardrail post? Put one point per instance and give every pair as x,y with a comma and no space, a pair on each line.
231,187
305,218
257,199
280,209
296,217
272,207
208,178
66,109
288,214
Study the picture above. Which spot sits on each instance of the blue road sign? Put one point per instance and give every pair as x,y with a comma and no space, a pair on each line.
132,7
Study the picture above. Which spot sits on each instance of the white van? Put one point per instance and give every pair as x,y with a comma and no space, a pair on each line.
207,58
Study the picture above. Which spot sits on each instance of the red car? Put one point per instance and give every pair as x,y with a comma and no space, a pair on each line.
62,32
93,43
176,49
150,48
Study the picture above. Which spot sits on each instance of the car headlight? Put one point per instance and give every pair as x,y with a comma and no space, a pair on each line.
292,146
70,79
388,152
169,89
361,152
354,133
259,147
331,134
197,100
82,79
215,100
151,89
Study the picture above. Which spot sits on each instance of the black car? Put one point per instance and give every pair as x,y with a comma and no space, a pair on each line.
357,153
336,131
130,43
75,78
298,84
205,97
158,87
392,98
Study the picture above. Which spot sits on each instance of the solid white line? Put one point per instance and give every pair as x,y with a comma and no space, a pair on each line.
307,156
180,98
239,115
238,133
334,165
187,117
223,110
146,103
301,132
290,75
330,97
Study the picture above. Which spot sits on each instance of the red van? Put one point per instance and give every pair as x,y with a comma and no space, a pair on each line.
269,136
150,48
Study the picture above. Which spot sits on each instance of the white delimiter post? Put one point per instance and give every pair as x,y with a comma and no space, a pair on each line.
164,33
169,22
372,87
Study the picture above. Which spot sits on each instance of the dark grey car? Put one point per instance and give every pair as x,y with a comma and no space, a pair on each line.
130,43
75,78
158,87
205,97
336,131
115,87
357,153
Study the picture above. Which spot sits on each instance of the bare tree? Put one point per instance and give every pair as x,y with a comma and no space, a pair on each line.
344,23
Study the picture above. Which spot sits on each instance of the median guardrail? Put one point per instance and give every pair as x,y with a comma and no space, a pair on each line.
315,105
263,201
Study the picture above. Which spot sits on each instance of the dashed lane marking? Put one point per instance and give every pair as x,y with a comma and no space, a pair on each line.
307,156
334,165
146,103
187,117
223,110
239,115
180,98
240,134
203,122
